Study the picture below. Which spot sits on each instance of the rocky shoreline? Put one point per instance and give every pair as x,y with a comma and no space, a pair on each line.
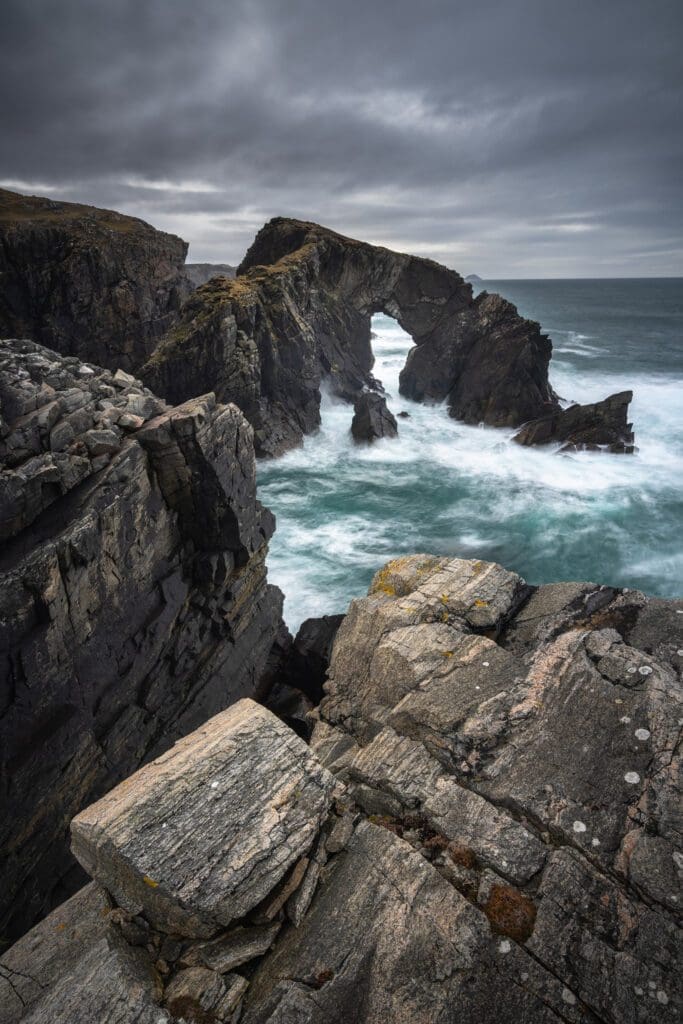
484,827
459,801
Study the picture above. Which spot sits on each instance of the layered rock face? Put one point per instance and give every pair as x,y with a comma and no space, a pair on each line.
87,282
133,594
299,313
486,827
602,425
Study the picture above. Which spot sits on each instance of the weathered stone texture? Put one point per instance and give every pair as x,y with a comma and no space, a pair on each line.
299,313
600,426
133,595
87,282
248,792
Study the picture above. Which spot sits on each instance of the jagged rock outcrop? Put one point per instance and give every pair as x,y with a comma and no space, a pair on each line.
133,595
251,794
600,426
491,828
299,312
87,282
200,273
372,419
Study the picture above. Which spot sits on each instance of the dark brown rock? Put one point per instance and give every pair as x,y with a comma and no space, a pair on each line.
600,426
87,282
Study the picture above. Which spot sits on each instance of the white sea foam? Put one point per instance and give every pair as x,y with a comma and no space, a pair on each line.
444,487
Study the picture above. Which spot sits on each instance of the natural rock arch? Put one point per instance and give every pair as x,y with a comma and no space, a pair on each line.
299,311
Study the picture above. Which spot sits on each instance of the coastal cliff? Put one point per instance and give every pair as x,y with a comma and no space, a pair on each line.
87,282
133,595
483,828
298,315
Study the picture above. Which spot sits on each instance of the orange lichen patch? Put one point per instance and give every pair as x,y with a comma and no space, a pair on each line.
61,927
462,855
480,604
150,882
447,654
510,912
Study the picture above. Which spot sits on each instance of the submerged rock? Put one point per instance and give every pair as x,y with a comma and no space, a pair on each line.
600,426
372,419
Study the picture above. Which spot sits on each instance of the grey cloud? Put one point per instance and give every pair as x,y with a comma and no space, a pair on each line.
510,138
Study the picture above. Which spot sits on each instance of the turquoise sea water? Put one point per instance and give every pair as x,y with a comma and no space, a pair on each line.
445,488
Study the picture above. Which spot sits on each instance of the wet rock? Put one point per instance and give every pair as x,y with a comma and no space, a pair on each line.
602,426
244,794
133,598
87,282
490,363
372,419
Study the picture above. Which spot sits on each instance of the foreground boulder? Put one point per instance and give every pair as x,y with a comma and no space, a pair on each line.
487,829
299,313
87,282
133,595
600,426
372,419
248,792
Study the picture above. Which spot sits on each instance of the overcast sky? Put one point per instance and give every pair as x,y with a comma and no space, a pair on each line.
520,138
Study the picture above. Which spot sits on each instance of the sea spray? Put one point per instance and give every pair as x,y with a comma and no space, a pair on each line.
445,488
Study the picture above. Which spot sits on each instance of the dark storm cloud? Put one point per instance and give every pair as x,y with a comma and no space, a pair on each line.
513,138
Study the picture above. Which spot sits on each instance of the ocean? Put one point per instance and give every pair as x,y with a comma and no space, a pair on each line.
444,488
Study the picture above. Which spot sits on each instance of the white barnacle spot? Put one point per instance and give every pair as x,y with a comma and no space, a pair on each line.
662,997
680,653
579,826
477,687
85,371
645,670
679,611
638,990
677,858
214,785
505,946
625,720
595,841
632,670
652,984
642,734
486,664
164,824
633,778
568,997
524,975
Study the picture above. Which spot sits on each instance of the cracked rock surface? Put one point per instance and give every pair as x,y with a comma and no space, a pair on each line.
485,829
250,793
133,595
